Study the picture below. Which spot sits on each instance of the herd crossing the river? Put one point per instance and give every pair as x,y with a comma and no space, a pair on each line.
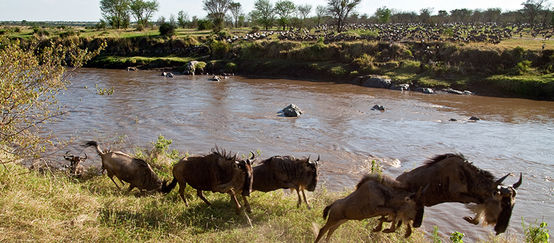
444,178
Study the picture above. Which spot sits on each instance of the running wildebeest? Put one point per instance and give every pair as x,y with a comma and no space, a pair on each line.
452,178
286,172
134,171
216,172
375,195
75,169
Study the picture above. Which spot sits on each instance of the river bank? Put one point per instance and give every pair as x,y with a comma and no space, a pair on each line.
484,70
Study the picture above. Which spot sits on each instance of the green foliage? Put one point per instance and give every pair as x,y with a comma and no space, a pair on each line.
230,67
219,49
200,66
204,24
104,91
376,167
167,29
457,237
383,14
536,233
30,80
522,67
116,12
365,63
435,235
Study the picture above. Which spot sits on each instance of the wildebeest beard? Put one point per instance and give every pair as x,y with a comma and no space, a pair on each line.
247,184
504,216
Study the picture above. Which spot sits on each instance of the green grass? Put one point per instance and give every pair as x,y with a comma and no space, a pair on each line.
53,207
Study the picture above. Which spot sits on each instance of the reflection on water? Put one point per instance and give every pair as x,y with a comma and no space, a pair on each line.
240,114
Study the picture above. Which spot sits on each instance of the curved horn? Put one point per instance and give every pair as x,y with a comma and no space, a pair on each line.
496,183
317,158
253,155
308,158
68,156
86,156
518,183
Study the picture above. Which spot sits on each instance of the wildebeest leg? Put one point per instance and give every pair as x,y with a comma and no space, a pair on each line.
299,198
333,228
395,223
474,220
330,223
408,230
201,196
182,192
234,197
306,201
246,205
111,177
380,225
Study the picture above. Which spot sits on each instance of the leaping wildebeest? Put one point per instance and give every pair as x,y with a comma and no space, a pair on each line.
452,178
134,171
216,172
286,172
375,195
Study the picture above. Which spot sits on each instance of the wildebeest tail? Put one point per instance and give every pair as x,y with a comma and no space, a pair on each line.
167,188
95,145
326,210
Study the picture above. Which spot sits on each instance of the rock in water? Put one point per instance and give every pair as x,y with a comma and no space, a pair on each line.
292,110
378,108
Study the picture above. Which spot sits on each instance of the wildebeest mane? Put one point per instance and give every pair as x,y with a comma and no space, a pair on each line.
483,173
223,153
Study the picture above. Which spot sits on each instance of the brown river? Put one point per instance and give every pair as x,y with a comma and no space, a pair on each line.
240,114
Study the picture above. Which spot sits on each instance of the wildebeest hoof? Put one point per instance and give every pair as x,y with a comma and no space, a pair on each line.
389,231
471,220
378,228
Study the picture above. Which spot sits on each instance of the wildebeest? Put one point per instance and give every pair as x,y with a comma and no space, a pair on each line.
216,172
452,178
286,172
75,169
375,195
135,171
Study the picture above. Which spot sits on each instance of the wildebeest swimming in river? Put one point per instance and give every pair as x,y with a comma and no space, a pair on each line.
216,172
135,171
286,172
451,178
375,195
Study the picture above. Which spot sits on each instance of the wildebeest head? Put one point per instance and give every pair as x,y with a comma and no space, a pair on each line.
246,168
74,160
507,197
311,173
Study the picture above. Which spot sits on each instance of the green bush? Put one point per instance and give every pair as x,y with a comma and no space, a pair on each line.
536,233
167,29
205,24
219,49
457,237
522,67
230,67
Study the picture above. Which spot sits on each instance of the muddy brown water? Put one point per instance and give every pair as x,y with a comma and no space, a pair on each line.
240,114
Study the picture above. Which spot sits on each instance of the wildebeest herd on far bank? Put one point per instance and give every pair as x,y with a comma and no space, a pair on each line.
401,200
406,32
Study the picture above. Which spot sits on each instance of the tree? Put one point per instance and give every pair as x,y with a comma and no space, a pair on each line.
30,79
531,9
383,14
143,10
340,9
425,15
304,10
182,19
236,12
320,12
167,29
284,9
263,13
116,12
216,11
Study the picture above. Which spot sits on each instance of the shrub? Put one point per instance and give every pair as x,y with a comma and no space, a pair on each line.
522,67
205,24
230,67
219,49
536,233
365,63
456,237
167,29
